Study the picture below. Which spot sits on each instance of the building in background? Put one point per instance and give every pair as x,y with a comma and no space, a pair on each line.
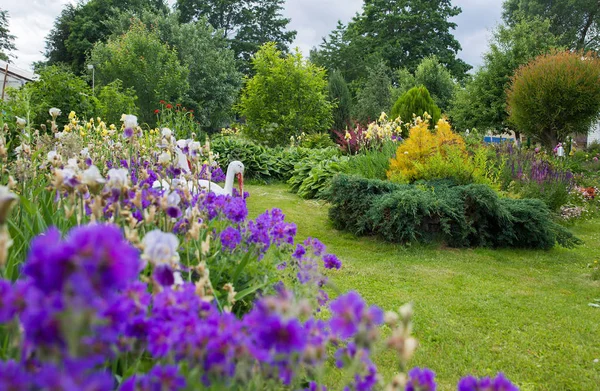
12,76
594,134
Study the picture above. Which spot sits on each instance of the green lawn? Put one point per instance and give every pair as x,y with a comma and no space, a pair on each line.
481,311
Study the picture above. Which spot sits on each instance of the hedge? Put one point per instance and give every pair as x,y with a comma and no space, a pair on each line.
461,216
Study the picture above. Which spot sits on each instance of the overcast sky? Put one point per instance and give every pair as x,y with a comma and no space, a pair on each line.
31,20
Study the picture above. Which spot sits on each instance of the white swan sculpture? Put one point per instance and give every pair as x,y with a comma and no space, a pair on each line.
234,170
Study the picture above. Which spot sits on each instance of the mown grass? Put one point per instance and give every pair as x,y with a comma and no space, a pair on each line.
477,311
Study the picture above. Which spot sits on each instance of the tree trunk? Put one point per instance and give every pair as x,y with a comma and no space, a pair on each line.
586,29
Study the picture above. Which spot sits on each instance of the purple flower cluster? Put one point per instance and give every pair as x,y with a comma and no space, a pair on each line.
270,228
421,380
531,166
499,383
424,380
350,316
81,307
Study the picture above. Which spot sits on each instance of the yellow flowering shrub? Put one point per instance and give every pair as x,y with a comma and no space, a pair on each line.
438,154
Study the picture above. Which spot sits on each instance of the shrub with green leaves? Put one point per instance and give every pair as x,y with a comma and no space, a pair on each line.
460,216
373,163
317,141
59,87
555,95
114,100
264,163
257,161
316,183
286,97
142,61
416,101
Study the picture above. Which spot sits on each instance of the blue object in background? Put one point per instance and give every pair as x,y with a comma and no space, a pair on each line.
495,140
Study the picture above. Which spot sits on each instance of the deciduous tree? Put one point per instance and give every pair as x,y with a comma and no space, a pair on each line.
482,102
286,96
143,62
556,95
79,27
247,24
576,23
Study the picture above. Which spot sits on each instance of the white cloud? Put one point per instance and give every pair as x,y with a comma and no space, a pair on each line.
32,20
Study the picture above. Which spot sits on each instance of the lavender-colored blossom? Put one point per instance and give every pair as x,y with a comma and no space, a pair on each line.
331,262
350,314
499,383
236,210
317,246
299,252
313,386
421,380
281,335
230,238
13,377
167,378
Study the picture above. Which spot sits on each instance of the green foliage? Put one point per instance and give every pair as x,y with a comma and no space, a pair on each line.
339,94
375,96
179,119
317,141
416,101
438,81
213,76
78,28
404,80
312,176
144,63
482,102
575,22
555,96
258,162
343,51
247,24
373,163
7,40
397,33
114,101
57,87
317,180
460,216
263,163
286,96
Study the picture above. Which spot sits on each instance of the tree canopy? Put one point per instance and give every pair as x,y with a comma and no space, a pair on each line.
247,24
576,23
79,27
143,62
375,97
400,32
431,74
555,96
482,102
214,80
